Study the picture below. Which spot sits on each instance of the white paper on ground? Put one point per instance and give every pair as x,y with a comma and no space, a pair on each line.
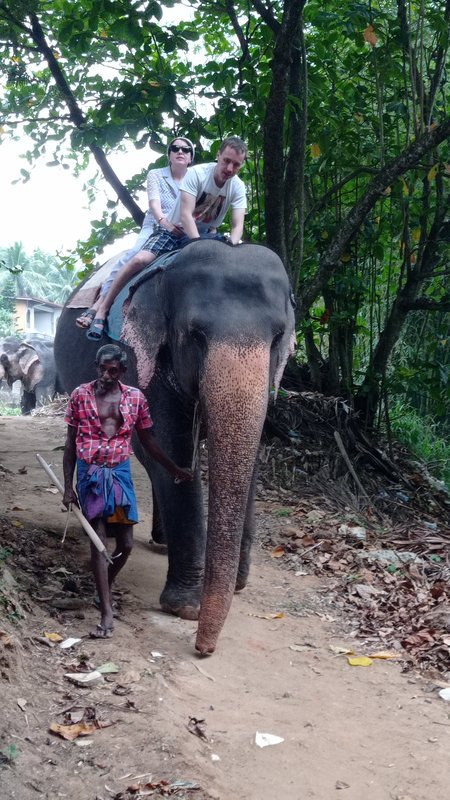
265,739
84,678
69,643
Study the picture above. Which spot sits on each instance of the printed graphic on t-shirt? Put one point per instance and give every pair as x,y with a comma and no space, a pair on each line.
208,207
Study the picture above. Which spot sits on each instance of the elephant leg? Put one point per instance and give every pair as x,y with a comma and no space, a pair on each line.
158,532
247,536
27,402
180,505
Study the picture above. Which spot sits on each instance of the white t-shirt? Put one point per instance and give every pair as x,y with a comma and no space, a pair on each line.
212,201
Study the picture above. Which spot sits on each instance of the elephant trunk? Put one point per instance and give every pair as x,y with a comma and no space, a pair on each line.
234,393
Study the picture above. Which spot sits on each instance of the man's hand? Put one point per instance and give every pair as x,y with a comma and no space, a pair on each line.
70,496
182,475
176,231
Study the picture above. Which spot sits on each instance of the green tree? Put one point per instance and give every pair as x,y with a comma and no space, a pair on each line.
40,275
344,109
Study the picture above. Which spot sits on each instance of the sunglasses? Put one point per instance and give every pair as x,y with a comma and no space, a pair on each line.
178,148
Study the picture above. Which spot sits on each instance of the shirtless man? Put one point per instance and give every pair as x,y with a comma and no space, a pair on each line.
101,416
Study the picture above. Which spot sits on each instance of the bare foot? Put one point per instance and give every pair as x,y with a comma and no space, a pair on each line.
86,318
101,632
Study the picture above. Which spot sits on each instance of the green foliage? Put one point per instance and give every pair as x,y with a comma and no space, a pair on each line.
9,411
80,77
39,275
421,435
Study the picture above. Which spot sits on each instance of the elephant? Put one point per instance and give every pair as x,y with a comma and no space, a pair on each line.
31,362
207,337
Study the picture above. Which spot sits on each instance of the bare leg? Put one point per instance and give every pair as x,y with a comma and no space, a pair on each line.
86,318
100,570
132,267
124,546
105,575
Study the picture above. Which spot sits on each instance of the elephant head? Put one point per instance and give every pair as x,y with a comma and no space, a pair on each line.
224,320
32,363
23,365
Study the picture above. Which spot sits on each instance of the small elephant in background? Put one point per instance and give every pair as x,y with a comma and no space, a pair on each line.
30,361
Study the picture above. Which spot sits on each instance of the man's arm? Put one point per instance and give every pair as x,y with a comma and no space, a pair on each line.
187,219
148,441
237,224
69,461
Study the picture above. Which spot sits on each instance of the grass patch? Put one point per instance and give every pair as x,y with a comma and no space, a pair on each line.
420,435
9,411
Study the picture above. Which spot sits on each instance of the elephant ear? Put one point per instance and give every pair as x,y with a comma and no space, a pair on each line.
286,349
31,366
144,330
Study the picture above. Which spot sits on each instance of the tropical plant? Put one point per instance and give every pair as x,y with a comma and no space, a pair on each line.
40,275
344,109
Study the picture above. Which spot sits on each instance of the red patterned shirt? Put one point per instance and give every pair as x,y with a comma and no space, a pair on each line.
92,443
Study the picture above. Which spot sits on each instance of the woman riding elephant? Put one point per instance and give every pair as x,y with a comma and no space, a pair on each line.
163,189
207,337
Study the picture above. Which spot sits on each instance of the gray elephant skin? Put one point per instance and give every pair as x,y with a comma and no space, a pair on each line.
211,332
30,361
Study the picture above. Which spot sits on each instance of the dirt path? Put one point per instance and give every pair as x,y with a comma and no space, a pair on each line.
348,732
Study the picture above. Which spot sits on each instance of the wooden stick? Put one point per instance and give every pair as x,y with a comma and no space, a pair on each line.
81,518
351,469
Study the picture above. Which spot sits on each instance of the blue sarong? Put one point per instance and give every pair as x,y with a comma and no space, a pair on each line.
101,490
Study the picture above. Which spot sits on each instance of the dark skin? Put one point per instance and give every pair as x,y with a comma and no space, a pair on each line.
107,393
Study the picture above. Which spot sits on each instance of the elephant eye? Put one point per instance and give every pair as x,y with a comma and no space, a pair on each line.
277,338
198,335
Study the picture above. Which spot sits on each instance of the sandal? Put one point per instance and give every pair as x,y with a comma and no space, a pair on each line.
86,318
96,329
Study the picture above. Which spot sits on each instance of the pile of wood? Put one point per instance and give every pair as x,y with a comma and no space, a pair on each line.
315,445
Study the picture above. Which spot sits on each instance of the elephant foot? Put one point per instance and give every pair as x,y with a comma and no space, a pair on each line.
241,583
156,547
184,612
180,604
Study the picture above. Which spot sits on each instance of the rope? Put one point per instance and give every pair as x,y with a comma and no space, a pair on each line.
196,422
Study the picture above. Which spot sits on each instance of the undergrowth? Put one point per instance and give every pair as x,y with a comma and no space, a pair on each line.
9,411
420,435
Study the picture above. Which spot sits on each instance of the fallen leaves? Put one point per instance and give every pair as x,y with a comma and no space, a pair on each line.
71,732
53,637
197,727
164,788
6,639
79,722
359,661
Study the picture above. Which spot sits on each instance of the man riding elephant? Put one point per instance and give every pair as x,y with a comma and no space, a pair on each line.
206,193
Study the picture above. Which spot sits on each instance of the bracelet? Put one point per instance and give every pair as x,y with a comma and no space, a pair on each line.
163,217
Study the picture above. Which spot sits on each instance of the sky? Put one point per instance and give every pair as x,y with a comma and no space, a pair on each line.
50,211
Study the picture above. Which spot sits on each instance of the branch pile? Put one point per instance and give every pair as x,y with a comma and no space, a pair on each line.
377,524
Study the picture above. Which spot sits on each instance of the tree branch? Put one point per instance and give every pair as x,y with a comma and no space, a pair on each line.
267,15
231,11
425,304
393,170
80,122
